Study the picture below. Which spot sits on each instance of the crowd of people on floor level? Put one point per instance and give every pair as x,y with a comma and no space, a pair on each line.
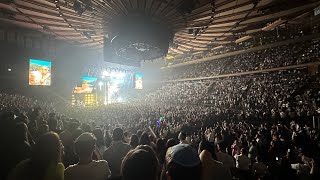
251,127
286,55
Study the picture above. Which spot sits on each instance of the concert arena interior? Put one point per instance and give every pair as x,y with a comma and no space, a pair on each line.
160,89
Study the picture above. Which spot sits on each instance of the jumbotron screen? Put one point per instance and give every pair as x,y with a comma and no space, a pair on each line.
87,85
39,73
138,84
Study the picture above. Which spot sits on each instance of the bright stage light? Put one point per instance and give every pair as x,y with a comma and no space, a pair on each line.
100,85
120,75
105,73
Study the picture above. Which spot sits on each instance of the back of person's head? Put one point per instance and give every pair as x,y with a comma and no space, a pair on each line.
53,123
134,140
171,142
47,148
107,139
99,135
183,162
205,145
21,132
161,145
144,139
182,136
43,128
76,133
161,150
86,127
140,163
46,151
85,144
117,134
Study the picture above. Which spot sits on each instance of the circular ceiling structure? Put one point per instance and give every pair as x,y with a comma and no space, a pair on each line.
137,36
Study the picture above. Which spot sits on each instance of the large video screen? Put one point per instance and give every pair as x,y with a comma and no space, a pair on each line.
138,81
39,72
87,85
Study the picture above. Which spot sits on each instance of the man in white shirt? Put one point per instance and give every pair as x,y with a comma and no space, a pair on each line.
87,168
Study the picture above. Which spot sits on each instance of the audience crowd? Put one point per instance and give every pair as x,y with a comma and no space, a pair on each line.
290,54
259,39
259,126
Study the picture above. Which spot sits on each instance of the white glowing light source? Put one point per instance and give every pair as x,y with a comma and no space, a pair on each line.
100,85
105,73
120,75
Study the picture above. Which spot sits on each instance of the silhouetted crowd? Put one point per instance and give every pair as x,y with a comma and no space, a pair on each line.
250,127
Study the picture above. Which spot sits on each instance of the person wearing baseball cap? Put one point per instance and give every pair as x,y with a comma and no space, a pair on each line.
183,163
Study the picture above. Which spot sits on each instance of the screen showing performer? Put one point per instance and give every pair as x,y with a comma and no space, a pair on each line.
87,85
39,73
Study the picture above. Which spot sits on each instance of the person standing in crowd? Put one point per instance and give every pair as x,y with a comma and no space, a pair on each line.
258,168
182,138
212,169
225,158
161,150
116,152
134,141
45,162
20,148
140,163
87,168
183,162
144,139
242,160
98,133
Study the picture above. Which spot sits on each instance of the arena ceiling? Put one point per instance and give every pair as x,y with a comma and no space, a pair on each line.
198,25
